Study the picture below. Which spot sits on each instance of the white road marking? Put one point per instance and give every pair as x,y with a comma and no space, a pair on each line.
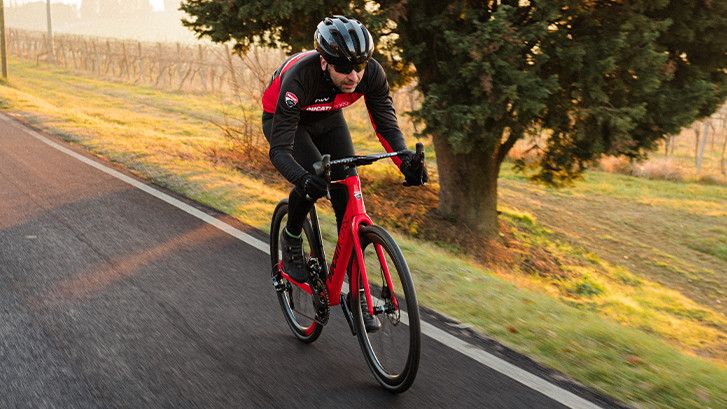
516,373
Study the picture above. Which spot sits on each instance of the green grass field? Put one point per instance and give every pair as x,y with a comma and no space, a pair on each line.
618,282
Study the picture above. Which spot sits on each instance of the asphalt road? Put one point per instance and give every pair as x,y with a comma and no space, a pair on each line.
112,298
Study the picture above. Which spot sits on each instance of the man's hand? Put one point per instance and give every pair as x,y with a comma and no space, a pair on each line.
312,187
413,169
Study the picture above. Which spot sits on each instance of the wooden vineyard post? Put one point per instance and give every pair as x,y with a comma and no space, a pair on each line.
202,74
140,77
3,44
108,58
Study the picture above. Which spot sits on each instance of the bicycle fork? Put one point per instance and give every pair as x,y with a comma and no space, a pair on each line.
348,314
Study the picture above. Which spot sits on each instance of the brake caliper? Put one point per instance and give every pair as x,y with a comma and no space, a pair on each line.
389,308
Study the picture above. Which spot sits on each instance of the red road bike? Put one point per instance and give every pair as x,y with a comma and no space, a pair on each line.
379,283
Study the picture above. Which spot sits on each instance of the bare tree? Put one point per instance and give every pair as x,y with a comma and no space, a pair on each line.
701,142
669,145
722,121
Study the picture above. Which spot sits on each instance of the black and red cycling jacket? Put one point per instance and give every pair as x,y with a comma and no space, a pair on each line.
301,92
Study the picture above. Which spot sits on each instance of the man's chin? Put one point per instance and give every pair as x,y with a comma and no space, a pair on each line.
347,90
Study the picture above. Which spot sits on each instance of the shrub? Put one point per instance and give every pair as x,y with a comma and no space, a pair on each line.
616,164
663,169
585,287
710,179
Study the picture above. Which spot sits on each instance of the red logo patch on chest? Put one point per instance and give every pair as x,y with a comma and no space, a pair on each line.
290,99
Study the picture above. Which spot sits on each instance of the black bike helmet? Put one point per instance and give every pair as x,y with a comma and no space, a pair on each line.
343,41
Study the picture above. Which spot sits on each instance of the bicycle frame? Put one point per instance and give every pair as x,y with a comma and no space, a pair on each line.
348,243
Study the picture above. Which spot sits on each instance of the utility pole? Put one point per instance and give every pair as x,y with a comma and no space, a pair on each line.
51,54
3,45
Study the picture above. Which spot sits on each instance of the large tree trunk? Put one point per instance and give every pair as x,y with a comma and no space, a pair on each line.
468,186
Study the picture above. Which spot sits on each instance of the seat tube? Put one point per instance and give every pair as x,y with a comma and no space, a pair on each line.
317,231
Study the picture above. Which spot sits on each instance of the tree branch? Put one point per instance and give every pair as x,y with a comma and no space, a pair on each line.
515,134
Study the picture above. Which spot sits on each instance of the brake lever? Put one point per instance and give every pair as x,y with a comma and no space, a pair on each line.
418,160
420,151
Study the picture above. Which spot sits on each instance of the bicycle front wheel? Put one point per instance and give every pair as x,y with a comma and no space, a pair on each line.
297,305
392,351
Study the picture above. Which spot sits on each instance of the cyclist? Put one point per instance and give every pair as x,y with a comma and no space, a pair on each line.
302,119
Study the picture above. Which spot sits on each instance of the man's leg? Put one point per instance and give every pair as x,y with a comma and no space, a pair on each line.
306,154
335,140
291,241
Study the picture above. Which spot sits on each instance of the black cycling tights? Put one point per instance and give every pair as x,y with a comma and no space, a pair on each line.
331,136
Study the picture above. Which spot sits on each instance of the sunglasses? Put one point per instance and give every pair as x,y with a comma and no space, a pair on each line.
347,68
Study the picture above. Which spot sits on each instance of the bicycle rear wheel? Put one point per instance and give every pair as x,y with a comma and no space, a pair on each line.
392,352
297,305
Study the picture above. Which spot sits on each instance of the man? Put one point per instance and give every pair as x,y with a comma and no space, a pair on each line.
302,117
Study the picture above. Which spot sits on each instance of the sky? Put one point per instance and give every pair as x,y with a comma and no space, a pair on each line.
156,4
166,27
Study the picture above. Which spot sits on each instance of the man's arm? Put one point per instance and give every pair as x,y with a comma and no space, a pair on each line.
285,123
382,112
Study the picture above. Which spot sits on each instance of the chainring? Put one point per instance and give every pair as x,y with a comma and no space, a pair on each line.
320,292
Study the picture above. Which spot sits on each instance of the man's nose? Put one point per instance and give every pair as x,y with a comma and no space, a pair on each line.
352,76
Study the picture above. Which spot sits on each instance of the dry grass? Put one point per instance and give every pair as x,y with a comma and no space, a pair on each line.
616,164
659,169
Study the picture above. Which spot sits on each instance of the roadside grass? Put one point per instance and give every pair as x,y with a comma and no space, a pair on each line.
669,232
589,282
616,281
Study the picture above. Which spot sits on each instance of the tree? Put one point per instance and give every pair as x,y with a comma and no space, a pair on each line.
596,77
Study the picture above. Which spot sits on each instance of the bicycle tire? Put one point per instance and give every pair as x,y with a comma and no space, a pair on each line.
399,379
304,327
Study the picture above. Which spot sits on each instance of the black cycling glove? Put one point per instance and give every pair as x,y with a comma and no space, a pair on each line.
312,187
413,169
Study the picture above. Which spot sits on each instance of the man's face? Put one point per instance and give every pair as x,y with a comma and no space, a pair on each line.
345,82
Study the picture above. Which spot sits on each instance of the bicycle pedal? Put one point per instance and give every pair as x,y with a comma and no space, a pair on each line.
278,284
